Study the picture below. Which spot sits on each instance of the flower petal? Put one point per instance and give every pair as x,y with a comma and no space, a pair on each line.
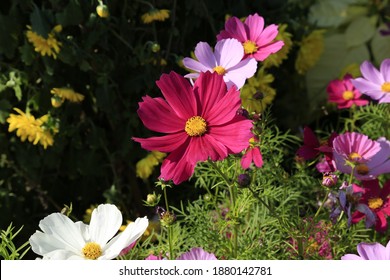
228,53
178,93
385,69
255,24
264,51
124,239
371,251
234,28
245,69
351,257
205,55
158,116
194,65
164,144
370,73
106,219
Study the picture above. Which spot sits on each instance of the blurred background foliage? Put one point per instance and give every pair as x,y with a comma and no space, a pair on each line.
112,57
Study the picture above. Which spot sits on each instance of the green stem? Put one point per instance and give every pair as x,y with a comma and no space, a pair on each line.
169,228
322,204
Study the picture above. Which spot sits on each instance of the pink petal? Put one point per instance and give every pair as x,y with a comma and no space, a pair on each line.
246,159
385,69
371,251
205,55
194,65
178,93
268,34
210,88
351,257
165,144
242,71
265,51
257,157
381,223
385,99
364,85
255,24
236,29
235,136
370,73
309,138
228,53
205,147
156,115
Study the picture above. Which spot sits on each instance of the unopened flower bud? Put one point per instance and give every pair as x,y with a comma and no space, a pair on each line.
102,11
155,47
152,199
329,179
243,112
244,180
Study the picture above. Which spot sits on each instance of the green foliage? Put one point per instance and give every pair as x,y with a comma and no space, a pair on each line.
8,249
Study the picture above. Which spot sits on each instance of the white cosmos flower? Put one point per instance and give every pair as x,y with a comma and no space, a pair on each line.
63,239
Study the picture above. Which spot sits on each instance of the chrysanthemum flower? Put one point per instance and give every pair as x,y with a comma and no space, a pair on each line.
374,83
29,128
277,58
370,251
68,94
378,200
344,94
226,60
197,254
257,93
252,154
367,158
155,15
312,47
63,239
45,46
258,42
200,123
145,166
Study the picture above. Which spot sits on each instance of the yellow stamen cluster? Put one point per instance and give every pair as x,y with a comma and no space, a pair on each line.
92,251
220,70
386,87
196,126
354,156
250,47
348,95
375,203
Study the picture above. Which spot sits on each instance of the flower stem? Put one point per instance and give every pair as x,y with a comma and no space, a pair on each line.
169,228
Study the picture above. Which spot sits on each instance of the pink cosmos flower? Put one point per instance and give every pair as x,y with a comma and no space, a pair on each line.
226,60
378,200
252,154
368,158
258,41
344,94
375,84
199,123
370,251
197,254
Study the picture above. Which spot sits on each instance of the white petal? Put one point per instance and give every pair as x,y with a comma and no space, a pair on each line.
106,219
59,232
62,255
124,239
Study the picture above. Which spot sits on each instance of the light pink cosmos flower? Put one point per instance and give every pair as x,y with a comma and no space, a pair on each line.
252,154
226,60
197,254
374,83
344,94
258,41
367,158
370,251
200,123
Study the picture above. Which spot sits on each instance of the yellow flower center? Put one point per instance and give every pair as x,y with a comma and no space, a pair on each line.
196,126
362,169
386,87
348,95
92,251
375,203
354,156
220,70
250,47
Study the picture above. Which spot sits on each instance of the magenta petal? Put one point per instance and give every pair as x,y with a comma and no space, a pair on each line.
246,159
165,144
236,29
257,157
178,93
265,51
163,119
255,25
205,55
205,147
268,34
370,73
228,53
210,88
371,251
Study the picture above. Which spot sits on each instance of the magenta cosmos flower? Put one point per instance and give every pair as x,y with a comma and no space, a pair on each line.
226,60
378,200
197,254
258,41
344,94
370,251
367,158
374,83
200,123
252,154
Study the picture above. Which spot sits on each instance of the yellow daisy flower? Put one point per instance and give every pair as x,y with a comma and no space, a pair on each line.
29,128
310,51
257,93
68,94
145,166
277,58
45,46
155,15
